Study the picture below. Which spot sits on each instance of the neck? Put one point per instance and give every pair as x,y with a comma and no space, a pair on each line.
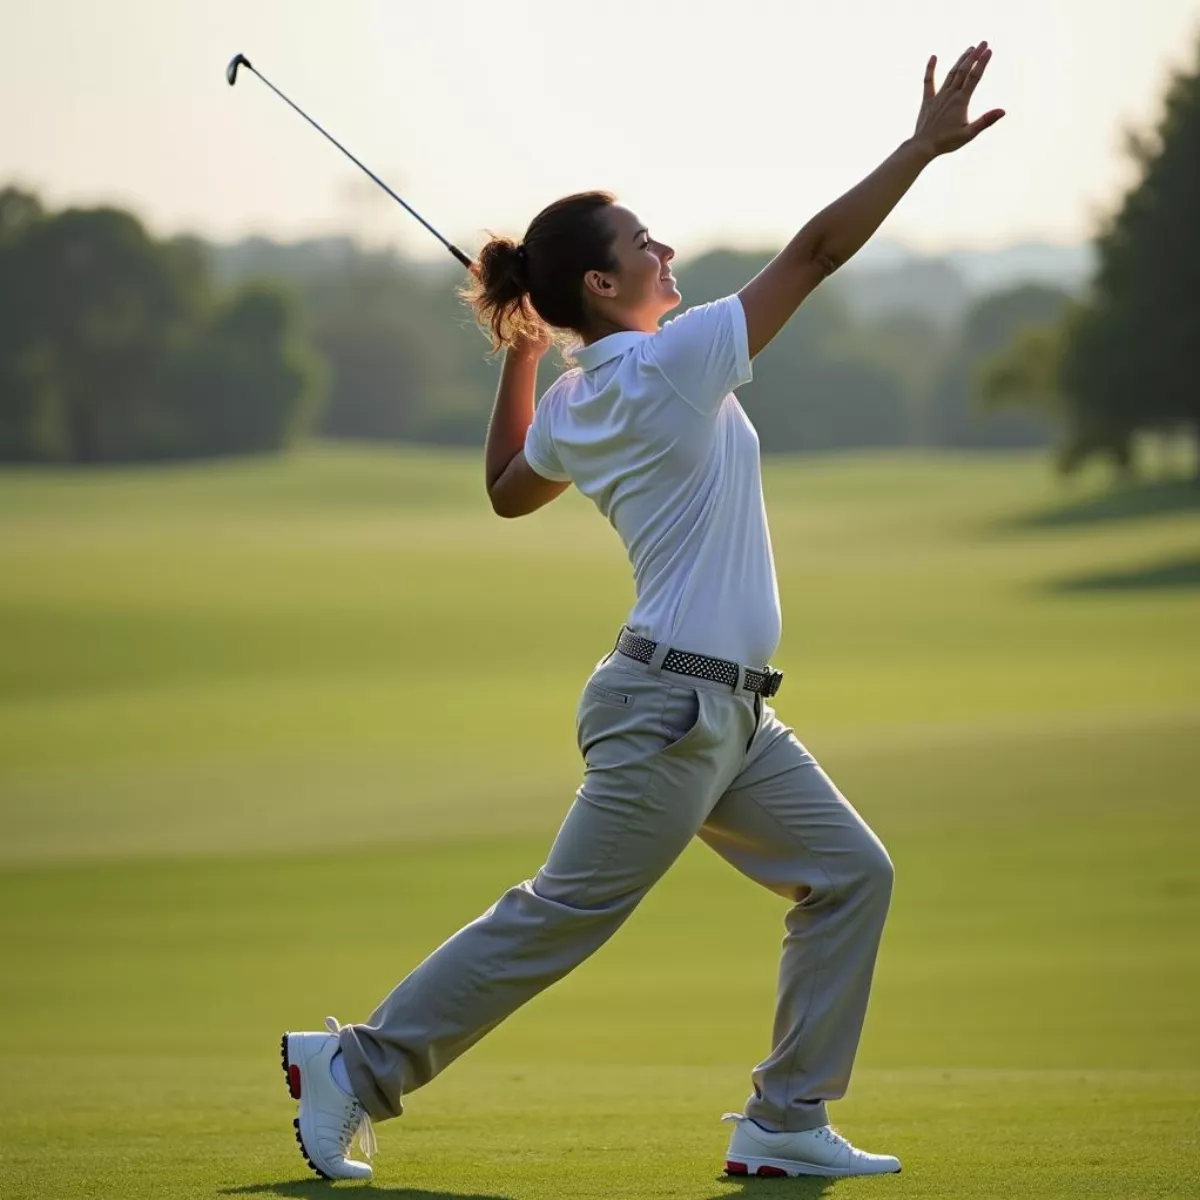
601,327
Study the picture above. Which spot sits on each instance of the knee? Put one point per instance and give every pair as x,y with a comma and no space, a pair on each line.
870,875
860,877
874,872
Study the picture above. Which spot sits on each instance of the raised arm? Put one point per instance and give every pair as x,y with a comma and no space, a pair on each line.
513,486
838,232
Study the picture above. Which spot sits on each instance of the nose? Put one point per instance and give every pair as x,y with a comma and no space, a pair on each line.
666,253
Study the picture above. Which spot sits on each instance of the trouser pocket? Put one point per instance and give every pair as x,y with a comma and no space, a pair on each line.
625,718
680,718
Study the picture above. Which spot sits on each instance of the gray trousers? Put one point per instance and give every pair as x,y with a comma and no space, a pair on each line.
667,759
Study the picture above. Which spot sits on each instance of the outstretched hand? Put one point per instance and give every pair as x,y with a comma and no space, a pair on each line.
942,123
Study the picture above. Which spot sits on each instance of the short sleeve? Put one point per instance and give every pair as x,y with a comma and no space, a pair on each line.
704,353
539,445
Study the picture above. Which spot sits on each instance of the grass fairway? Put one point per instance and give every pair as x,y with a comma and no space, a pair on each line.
269,732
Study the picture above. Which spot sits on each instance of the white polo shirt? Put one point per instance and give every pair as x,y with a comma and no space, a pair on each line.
648,427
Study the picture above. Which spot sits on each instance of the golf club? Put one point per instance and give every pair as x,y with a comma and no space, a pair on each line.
231,73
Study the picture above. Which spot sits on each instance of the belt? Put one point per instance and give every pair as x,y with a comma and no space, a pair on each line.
762,681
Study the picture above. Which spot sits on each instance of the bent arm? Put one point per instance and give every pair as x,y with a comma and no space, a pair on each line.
513,486
829,240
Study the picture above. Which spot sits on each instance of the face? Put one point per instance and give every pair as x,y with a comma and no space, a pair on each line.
641,290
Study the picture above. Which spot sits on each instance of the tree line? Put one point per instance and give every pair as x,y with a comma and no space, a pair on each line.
1125,359
117,346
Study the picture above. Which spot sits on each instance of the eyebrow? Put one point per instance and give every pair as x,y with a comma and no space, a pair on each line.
639,234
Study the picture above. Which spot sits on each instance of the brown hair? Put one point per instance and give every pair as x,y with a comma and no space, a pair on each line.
519,288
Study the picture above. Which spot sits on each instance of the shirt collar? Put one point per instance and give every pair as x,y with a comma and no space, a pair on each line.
607,348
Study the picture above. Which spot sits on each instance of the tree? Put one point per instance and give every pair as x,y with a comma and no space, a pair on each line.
247,383
393,335
1132,360
27,428
1025,375
94,305
107,335
89,305
988,327
18,211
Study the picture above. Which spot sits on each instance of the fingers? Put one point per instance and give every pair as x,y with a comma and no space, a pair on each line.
951,82
929,66
964,69
975,74
988,119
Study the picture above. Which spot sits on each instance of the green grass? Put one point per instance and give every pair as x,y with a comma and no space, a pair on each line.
269,732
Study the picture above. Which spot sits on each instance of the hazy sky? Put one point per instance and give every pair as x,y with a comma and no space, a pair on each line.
716,121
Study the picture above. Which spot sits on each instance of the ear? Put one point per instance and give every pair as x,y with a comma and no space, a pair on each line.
600,284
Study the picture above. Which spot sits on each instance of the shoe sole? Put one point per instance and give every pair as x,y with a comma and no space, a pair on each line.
291,1075
777,1168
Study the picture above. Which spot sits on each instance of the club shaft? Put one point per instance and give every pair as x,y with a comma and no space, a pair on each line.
462,258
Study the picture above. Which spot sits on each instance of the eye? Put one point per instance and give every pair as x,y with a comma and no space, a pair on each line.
646,244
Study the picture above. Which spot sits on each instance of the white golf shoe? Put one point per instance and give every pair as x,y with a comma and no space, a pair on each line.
329,1119
754,1151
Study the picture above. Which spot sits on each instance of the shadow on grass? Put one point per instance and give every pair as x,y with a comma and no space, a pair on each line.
1178,573
1127,503
322,1189
803,1187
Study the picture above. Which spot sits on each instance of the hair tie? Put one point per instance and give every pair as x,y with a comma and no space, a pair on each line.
521,252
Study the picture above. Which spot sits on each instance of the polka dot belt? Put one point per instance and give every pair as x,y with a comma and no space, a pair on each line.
763,681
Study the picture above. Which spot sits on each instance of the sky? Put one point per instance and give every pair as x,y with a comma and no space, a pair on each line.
718,122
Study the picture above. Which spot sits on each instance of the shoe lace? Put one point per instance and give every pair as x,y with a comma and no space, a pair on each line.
356,1122
831,1135
826,1133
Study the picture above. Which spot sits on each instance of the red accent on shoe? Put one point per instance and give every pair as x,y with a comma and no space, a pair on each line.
736,1168
294,1081
771,1173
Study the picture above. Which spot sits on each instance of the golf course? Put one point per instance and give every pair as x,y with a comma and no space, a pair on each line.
271,730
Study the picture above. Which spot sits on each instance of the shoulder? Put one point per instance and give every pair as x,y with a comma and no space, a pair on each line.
568,380
703,352
709,334
562,387
701,319
556,394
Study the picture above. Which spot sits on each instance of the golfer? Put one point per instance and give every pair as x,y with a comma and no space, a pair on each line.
673,725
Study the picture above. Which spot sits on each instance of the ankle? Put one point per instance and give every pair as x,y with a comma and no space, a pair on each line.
341,1076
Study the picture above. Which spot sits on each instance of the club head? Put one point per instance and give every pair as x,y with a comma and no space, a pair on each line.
232,70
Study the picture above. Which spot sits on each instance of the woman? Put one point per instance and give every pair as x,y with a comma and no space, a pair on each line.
673,727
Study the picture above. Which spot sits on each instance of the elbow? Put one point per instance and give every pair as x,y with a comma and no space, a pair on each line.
826,260
495,499
816,253
500,493
502,507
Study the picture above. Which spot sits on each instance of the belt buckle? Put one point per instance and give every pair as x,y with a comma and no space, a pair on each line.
771,682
